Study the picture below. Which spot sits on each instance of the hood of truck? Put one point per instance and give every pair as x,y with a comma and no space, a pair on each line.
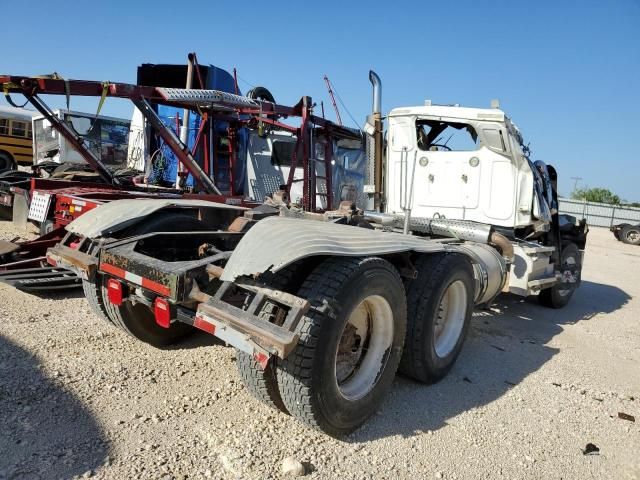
119,214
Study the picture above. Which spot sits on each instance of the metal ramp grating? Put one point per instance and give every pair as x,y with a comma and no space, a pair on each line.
207,98
39,206
41,279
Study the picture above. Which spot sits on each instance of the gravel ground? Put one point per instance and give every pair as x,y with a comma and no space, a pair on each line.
531,389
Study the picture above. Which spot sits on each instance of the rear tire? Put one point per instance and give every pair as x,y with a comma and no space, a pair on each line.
631,234
350,344
559,295
139,320
93,294
439,307
263,383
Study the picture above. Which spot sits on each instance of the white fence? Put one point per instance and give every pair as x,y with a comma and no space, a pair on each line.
599,214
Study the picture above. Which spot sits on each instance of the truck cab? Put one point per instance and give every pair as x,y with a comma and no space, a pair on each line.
462,163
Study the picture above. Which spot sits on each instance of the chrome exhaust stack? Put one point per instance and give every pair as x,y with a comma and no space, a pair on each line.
373,129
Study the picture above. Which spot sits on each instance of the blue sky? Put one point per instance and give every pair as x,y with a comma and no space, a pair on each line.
568,73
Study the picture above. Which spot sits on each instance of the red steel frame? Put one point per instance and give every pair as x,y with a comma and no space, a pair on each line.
267,113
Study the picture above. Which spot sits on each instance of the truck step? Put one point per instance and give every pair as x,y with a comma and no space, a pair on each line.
533,251
41,279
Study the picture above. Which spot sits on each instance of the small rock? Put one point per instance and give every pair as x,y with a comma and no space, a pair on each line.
438,475
292,467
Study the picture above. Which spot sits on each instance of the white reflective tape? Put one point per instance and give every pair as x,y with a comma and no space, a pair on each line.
229,335
133,278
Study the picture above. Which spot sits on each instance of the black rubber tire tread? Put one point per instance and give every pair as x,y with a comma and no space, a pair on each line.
139,322
261,93
6,162
295,373
15,173
436,268
263,384
93,294
127,317
626,230
618,233
549,297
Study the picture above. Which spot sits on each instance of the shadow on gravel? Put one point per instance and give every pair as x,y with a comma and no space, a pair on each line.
45,432
504,346
59,294
195,340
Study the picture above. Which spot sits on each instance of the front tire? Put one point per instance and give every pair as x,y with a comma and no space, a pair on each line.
560,294
350,344
618,232
439,307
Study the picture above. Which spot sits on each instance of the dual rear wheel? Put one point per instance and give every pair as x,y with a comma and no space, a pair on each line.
138,320
351,341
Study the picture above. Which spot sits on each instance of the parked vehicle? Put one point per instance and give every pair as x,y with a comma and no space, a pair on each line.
56,193
15,137
627,233
323,308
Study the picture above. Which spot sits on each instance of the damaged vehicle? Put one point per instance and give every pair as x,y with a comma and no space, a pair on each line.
325,300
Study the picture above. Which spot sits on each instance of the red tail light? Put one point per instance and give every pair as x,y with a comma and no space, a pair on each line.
162,311
114,291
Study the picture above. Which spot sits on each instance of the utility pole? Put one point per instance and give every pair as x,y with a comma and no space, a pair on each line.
575,183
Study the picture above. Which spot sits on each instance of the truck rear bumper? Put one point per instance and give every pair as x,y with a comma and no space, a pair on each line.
247,328
82,264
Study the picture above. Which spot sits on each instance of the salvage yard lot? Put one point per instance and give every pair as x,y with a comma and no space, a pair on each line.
531,389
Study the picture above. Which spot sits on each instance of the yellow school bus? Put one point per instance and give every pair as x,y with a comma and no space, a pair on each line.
16,144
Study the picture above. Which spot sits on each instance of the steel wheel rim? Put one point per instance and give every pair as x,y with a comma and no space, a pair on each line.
450,318
633,235
364,346
569,261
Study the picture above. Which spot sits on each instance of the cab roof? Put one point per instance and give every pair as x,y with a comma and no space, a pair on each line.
448,111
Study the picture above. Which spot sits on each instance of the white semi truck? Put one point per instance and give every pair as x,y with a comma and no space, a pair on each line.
324,307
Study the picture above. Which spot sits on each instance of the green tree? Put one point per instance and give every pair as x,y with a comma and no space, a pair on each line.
601,195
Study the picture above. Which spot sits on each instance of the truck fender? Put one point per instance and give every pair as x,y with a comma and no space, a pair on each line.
275,242
119,214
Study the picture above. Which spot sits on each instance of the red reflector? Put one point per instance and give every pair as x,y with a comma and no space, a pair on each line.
52,262
202,324
114,291
162,311
261,358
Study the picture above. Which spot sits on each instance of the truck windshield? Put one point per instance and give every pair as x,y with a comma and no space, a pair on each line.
437,135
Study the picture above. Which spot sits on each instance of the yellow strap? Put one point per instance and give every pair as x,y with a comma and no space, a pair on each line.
105,90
